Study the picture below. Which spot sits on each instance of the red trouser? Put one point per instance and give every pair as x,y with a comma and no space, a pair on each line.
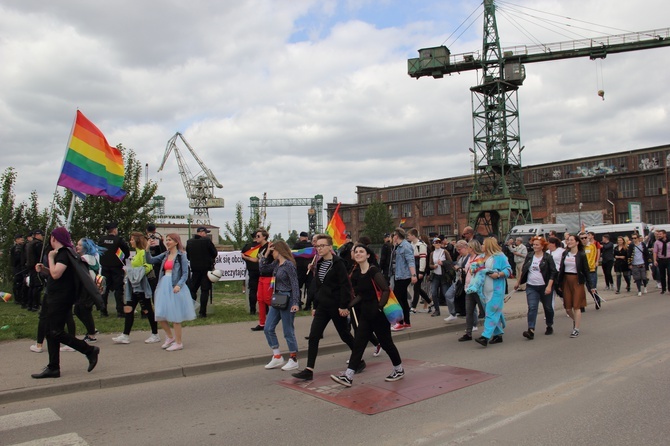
264,296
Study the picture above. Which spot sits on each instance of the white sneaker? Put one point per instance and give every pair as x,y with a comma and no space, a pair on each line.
36,349
121,339
290,365
644,290
168,342
475,328
450,318
658,285
639,293
174,347
152,339
274,363
66,348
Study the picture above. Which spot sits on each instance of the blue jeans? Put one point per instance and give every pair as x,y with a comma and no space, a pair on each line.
449,291
535,295
271,322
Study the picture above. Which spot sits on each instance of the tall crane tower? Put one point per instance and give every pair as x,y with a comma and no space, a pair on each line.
498,200
200,188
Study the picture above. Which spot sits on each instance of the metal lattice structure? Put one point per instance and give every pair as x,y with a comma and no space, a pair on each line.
314,213
498,200
200,188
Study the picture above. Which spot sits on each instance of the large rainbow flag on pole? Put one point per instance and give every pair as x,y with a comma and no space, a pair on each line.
91,165
336,229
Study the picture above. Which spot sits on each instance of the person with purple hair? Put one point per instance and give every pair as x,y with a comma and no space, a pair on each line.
61,296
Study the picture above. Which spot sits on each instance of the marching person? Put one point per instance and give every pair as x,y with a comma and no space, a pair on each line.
621,267
638,259
573,276
60,297
367,281
331,302
173,299
538,273
112,262
278,261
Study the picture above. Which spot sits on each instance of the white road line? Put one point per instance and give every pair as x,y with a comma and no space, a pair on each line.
71,439
30,418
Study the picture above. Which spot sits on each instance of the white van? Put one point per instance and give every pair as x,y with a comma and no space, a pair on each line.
526,232
614,231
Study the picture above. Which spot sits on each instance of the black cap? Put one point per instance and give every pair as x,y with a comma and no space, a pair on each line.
151,227
111,225
38,232
387,235
203,229
303,234
30,234
18,236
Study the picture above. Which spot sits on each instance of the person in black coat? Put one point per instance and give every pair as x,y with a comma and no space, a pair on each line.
573,275
201,254
302,263
331,302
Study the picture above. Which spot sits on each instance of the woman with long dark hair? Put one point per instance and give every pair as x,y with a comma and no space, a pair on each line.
573,276
367,281
621,267
173,298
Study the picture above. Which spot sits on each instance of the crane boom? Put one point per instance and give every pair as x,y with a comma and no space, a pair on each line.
437,61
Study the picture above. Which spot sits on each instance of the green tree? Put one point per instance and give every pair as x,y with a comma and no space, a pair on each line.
292,238
236,232
133,213
378,221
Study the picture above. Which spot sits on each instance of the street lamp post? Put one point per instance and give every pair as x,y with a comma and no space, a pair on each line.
580,217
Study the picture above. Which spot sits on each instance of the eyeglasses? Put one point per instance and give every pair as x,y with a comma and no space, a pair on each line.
258,236
634,238
321,246
583,238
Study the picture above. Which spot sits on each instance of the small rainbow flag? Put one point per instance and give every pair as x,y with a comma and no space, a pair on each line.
91,165
336,229
402,222
120,255
272,283
252,252
304,253
5,296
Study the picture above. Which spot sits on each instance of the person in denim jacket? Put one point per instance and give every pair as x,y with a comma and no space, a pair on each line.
405,273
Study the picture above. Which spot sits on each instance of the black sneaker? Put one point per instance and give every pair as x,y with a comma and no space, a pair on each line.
497,339
395,376
465,337
482,341
342,379
529,334
258,328
549,331
90,339
305,374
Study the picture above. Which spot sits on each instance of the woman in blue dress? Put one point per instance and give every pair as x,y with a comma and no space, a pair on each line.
173,302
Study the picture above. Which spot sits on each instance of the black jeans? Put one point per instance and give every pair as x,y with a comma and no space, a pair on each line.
379,326
252,288
57,314
114,278
85,315
319,322
607,272
145,307
199,280
400,291
664,272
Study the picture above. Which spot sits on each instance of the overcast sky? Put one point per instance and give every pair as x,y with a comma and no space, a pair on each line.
299,97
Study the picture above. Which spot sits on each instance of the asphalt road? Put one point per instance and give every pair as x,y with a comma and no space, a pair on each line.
610,386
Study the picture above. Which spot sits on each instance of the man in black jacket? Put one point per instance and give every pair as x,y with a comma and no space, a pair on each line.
112,262
333,296
35,285
385,257
18,268
302,263
201,254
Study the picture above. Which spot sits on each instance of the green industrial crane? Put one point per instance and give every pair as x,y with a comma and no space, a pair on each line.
498,200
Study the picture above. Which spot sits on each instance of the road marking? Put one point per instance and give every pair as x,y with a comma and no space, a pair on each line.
30,418
71,439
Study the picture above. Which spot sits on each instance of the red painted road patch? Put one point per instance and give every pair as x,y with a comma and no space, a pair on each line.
370,394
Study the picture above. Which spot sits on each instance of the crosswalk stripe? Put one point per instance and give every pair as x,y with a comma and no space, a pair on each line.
71,439
30,418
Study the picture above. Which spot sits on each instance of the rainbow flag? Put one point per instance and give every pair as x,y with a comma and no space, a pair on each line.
120,255
252,252
402,222
304,253
91,165
336,229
